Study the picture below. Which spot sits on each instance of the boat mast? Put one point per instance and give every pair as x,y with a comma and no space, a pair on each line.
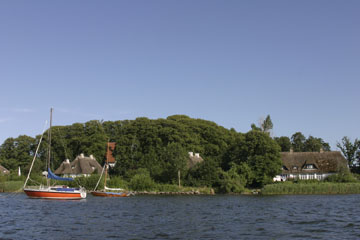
49,148
106,165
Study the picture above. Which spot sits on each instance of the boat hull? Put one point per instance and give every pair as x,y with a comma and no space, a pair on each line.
53,194
109,194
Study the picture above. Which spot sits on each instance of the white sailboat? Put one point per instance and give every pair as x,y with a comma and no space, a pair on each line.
109,192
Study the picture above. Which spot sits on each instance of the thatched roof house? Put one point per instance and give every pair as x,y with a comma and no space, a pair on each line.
194,159
3,171
311,165
65,168
81,166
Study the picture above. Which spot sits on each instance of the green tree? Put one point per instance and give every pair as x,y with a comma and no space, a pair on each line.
175,159
267,124
284,143
298,142
263,157
264,125
204,174
349,149
160,146
312,144
325,146
259,152
96,140
17,152
254,127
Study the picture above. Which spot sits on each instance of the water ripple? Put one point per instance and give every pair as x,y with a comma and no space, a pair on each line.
182,217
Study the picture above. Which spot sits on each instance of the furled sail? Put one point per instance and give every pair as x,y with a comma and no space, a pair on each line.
114,189
53,176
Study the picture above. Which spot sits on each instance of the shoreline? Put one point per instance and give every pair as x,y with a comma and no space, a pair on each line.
320,188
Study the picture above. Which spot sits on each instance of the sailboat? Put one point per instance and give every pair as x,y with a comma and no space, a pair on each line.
51,192
109,192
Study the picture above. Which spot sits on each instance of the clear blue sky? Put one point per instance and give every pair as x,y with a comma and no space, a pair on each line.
231,62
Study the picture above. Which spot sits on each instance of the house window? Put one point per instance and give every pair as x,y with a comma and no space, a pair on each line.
309,166
295,168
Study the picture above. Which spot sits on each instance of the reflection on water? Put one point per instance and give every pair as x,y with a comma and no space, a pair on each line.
181,217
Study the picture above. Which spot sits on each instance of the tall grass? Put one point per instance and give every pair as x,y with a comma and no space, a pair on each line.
173,188
311,188
11,186
140,182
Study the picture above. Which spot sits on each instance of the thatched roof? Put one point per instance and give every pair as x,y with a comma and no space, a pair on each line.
322,162
3,170
194,159
65,168
81,165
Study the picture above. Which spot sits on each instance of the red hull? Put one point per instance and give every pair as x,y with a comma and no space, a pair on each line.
53,194
109,194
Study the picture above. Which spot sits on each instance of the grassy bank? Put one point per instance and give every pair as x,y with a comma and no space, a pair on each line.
271,189
11,186
89,184
311,188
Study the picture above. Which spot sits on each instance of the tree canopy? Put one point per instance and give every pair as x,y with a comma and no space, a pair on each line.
349,150
300,143
284,143
159,148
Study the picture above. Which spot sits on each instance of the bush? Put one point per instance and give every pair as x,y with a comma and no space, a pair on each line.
343,176
231,182
142,181
117,182
15,177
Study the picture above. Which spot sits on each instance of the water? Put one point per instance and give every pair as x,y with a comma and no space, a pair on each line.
182,217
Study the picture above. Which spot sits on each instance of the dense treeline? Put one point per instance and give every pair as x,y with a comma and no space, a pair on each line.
299,143
159,149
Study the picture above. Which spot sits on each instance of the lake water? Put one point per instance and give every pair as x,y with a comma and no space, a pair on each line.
182,217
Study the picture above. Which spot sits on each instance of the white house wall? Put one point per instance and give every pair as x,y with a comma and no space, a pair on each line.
301,176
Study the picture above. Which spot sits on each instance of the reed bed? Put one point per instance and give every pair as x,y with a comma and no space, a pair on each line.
11,186
311,188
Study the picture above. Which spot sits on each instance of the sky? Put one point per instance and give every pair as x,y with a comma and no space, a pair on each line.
230,62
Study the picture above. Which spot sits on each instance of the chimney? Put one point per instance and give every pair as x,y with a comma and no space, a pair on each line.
82,155
67,161
321,150
197,155
91,156
191,154
291,150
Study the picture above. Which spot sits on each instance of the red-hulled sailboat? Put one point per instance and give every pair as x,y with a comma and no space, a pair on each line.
52,192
